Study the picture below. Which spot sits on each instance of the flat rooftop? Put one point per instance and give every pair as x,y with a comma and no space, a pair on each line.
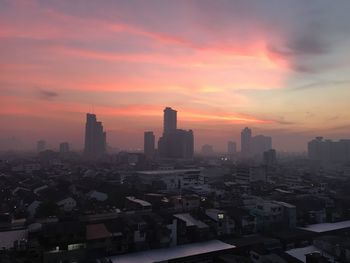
164,254
190,220
139,201
175,171
300,253
325,227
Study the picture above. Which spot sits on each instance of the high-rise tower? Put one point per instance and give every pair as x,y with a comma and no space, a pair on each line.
170,120
95,137
246,137
175,143
149,142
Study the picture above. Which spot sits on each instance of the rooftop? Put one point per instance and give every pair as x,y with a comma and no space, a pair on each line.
175,171
139,201
158,255
300,253
190,220
325,227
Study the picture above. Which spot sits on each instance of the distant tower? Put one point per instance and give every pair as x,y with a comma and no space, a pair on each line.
64,147
41,146
95,137
175,143
207,150
170,120
246,137
149,142
231,148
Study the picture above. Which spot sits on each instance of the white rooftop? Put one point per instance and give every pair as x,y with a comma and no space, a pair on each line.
300,253
325,227
190,220
139,201
164,254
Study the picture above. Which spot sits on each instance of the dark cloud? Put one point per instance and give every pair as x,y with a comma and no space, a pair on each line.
47,94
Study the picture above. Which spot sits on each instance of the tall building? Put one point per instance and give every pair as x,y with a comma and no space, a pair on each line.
246,137
207,150
95,137
328,150
260,144
41,146
231,148
170,120
64,147
149,144
175,143
254,146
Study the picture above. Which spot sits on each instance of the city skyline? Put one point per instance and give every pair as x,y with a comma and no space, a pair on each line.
260,143
174,131
274,73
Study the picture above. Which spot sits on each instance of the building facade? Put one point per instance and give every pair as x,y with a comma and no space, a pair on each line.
95,137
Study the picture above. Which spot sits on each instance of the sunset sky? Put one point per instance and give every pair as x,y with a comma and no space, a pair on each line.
281,67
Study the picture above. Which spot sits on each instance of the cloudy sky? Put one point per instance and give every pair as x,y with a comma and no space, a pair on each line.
279,67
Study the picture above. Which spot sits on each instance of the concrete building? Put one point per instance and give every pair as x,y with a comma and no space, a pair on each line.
328,150
231,148
170,120
95,137
246,137
260,144
149,144
254,146
207,150
175,143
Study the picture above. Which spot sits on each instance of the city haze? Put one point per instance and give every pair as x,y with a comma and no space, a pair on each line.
277,67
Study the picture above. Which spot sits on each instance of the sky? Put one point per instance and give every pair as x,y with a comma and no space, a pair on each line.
280,67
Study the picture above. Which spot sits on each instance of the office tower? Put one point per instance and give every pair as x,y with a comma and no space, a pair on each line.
170,120
41,146
148,146
246,137
95,137
207,150
175,143
231,148
254,146
270,158
259,144
328,150
64,147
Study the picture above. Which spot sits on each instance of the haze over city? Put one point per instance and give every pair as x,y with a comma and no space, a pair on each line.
279,67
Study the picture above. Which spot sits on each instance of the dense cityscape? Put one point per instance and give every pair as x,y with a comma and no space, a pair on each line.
174,131
170,204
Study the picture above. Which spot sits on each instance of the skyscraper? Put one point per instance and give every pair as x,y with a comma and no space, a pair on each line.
149,142
231,148
259,144
246,137
207,150
254,146
175,143
170,120
95,137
